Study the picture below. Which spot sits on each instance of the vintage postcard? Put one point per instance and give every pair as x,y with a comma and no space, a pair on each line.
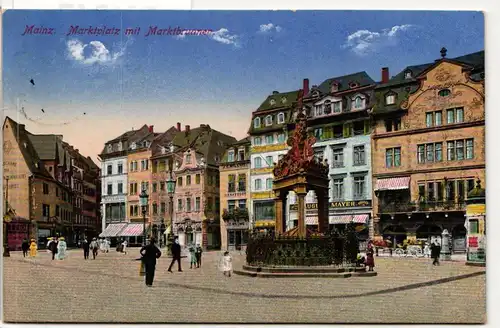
243,166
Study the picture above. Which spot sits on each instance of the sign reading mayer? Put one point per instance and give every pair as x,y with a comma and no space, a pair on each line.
353,203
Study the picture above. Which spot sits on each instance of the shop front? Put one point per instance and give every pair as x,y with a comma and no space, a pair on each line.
263,214
476,224
189,232
17,230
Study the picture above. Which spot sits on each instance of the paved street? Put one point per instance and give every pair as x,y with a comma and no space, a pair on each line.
109,289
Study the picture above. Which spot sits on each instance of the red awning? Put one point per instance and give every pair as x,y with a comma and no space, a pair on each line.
393,183
133,229
340,219
360,218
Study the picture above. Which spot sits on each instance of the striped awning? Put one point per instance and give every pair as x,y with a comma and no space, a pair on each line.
393,183
132,230
113,230
360,218
311,220
340,219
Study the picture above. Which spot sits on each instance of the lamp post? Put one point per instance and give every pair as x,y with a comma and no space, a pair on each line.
6,220
144,206
171,191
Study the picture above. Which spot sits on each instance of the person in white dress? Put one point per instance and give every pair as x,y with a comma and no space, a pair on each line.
61,249
227,264
124,248
107,245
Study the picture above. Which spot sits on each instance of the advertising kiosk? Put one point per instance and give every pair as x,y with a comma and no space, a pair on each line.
475,224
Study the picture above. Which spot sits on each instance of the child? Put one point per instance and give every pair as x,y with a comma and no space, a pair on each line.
192,255
33,248
227,264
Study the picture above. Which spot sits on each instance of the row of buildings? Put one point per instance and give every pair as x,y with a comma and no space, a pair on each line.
50,188
402,153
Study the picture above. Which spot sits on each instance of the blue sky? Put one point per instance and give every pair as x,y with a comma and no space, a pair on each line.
251,54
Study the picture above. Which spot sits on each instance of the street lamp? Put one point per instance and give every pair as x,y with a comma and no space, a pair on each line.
171,191
144,205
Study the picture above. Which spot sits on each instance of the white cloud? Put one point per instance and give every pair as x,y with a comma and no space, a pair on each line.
363,42
223,36
98,52
265,28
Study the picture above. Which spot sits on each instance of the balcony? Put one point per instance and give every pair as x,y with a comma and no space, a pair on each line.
235,214
431,206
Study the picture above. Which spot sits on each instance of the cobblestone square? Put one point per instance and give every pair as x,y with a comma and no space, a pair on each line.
109,289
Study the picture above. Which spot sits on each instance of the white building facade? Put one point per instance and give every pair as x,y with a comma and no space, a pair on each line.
114,190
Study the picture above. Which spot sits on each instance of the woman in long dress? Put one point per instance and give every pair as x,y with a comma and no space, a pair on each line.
227,264
61,249
33,248
370,261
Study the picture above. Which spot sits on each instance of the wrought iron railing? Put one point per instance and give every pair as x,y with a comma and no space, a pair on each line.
321,250
422,206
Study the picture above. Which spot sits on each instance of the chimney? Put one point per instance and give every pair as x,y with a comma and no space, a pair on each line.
188,128
305,87
178,126
150,128
275,92
385,74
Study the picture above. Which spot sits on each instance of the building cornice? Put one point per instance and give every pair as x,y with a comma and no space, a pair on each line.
429,170
431,129
268,148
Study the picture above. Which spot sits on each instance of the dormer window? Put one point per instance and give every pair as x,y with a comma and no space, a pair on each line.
241,154
120,146
390,99
283,100
144,144
444,93
188,158
256,122
334,87
408,75
163,150
353,85
327,107
272,102
230,156
337,107
281,118
177,164
315,94
172,148
110,148
269,120
216,158
358,102
133,145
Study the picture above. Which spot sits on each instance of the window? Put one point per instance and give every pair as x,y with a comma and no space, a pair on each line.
359,187
269,120
120,187
390,99
231,184
359,155
460,115
188,180
131,167
318,132
163,207
358,103
179,205
258,162
46,211
358,128
230,156
155,187
450,190
197,179
281,138
327,107
120,168
188,204
45,189
241,154
430,152
430,191
242,203
473,226
438,118
393,125
421,154
110,169
231,204
258,184
393,157
179,181
429,118
438,152
257,141
57,210
439,191
470,185
133,188
460,190
450,114
281,118
155,209
460,149
210,203
318,110
188,159
407,75
197,204
421,191
269,139
337,107
444,93
256,122
242,182
338,157
269,183
338,188
269,161
57,192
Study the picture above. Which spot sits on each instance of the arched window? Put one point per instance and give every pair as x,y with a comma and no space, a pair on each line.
256,122
269,120
444,92
358,102
281,118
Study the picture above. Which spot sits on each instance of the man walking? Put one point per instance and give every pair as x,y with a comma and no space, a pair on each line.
149,255
435,252
199,251
53,248
25,247
95,247
176,254
86,248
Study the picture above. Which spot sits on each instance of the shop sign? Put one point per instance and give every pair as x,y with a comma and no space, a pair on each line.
475,209
346,204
